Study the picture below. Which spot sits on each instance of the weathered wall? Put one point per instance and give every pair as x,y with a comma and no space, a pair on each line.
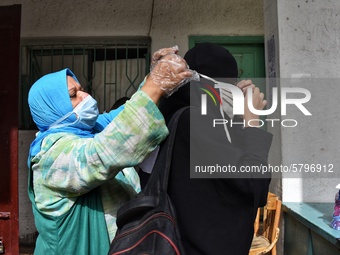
308,40
171,23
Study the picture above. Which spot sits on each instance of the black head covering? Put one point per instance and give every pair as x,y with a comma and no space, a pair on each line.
212,60
209,59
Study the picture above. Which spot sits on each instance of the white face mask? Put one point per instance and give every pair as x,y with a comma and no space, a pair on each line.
86,112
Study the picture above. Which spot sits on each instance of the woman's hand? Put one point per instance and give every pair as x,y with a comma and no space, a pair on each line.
244,84
258,103
167,74
161,53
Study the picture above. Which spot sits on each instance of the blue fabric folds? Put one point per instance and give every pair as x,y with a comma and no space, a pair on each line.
49,100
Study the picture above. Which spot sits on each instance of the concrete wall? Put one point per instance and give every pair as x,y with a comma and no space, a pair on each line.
273,71
306,37
171,24
308,42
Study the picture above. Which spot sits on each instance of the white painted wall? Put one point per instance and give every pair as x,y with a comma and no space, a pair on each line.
308,43
172,23
307,40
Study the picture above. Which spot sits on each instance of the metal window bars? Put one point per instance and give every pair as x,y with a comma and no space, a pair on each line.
108,68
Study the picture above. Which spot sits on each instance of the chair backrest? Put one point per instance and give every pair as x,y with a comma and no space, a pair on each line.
268,218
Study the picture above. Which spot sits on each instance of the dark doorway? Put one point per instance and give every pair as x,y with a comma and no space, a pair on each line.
10,20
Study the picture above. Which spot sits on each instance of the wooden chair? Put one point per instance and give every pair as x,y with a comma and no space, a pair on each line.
266,227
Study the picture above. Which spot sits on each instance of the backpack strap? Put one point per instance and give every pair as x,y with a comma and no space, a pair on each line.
148,198
158,180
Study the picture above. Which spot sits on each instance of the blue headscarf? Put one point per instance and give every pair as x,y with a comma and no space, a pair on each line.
49,100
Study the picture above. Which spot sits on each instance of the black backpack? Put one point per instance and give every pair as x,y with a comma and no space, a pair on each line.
147,224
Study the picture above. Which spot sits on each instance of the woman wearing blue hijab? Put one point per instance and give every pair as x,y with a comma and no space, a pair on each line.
80,164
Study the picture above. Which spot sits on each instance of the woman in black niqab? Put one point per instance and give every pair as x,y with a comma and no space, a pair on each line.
215,215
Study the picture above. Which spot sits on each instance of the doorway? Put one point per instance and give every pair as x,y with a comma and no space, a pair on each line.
10,20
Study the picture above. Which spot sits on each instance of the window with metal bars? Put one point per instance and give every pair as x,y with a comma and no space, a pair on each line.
108,68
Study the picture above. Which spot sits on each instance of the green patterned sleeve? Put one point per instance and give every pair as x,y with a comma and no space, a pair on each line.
75,165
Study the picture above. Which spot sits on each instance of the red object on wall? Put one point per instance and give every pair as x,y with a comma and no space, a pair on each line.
10,20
